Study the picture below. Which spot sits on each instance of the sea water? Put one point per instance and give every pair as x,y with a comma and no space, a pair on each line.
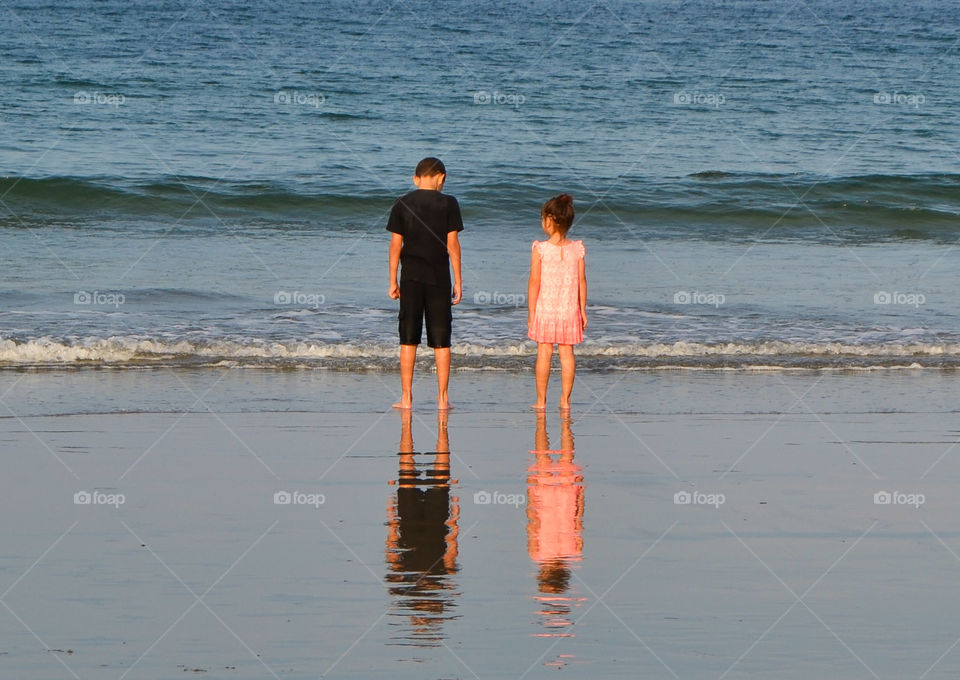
757,184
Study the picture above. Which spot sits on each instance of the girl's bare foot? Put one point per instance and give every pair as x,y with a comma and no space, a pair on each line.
444,405
539,406
404,404
564,406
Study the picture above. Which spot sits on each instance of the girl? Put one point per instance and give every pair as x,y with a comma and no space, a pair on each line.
557,296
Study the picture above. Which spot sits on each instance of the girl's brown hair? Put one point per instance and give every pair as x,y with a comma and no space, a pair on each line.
560,210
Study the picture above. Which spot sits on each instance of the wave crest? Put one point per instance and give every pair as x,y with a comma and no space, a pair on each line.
126,351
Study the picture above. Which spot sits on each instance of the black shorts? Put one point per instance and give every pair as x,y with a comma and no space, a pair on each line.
419,300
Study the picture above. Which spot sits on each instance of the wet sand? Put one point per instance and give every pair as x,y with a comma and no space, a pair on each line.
490,561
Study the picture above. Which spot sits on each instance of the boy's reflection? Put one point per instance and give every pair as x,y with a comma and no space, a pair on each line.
554,525
422,538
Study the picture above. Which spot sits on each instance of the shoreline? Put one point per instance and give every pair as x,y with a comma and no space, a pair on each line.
50,391
584,365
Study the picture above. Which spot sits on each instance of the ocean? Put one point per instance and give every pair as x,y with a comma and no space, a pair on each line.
758,184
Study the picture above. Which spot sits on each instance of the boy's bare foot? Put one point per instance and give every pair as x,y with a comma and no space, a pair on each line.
538,406
564,406
444,405
404,404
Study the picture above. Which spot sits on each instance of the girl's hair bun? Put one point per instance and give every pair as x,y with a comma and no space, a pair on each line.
560,210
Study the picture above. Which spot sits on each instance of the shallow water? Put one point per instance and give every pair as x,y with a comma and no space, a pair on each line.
581,559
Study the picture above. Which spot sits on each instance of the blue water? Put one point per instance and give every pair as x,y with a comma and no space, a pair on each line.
758,184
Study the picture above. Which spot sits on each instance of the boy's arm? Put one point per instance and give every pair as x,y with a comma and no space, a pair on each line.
533,287
583,292
396,243
453,248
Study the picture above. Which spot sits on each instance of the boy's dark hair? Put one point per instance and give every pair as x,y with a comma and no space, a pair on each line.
560,210
429,167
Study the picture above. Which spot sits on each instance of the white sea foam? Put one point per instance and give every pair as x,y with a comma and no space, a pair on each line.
138,350
771,348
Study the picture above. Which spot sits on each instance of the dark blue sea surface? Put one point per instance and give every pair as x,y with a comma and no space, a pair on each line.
757,183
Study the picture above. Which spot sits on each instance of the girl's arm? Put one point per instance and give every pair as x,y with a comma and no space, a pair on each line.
533,287
583,292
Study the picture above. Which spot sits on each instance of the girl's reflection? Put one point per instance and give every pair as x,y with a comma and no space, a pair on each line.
554,525
422,538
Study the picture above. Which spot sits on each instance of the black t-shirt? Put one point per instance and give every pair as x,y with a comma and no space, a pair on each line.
424,218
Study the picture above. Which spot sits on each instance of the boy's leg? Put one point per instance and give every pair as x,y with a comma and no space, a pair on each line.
410,326
544,356
442,355
408,358
439,317
568,371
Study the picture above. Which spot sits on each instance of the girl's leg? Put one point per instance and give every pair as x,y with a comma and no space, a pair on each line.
568,371
544,356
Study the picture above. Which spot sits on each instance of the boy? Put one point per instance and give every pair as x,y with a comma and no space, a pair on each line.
425,243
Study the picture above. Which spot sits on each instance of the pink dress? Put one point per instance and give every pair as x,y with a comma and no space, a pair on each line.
557,317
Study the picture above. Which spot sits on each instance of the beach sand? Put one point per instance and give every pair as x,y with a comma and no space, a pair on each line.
783,565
